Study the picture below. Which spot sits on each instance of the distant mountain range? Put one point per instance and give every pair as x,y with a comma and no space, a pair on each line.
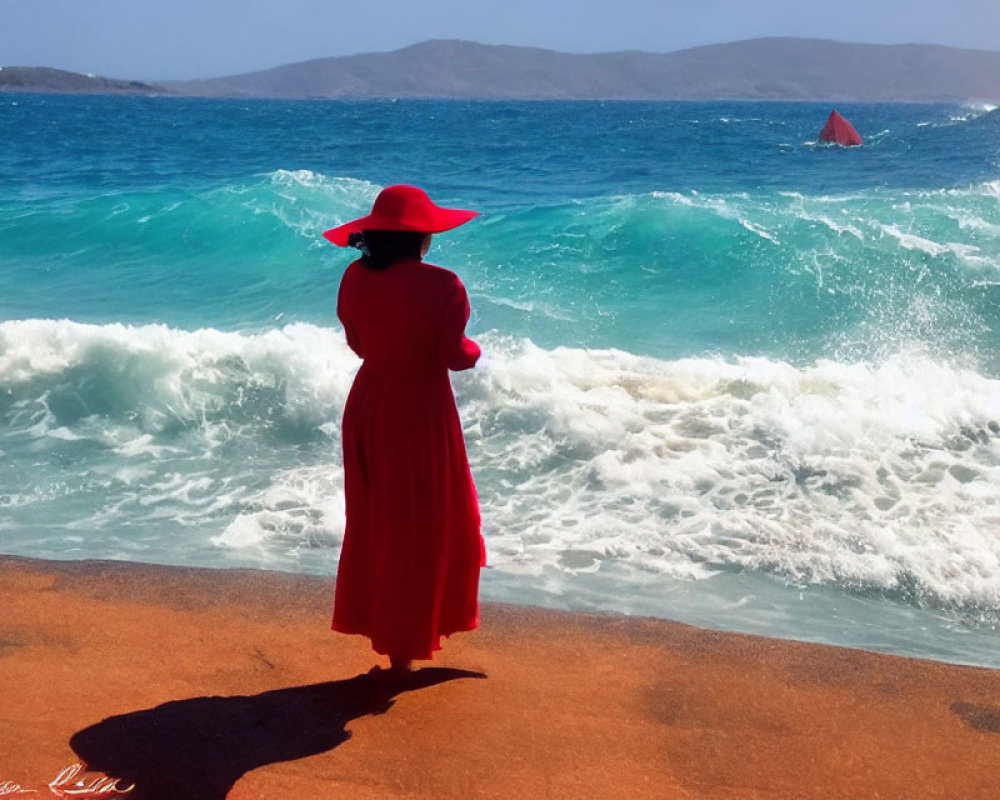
756,69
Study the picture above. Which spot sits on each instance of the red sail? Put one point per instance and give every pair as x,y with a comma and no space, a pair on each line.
839,130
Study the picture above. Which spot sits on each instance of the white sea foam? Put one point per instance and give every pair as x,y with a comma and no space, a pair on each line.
302,507
305,201
957,226
876,475
309,366
974,110
528,306
758,230
182,427
969,254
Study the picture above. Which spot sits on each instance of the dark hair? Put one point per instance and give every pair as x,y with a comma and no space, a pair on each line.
382,249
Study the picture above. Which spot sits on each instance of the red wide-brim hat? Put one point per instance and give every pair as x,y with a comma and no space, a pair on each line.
402,208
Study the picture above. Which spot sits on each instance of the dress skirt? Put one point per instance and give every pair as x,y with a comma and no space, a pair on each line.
412,551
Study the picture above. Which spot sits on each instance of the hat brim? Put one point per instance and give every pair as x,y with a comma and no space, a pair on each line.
444,220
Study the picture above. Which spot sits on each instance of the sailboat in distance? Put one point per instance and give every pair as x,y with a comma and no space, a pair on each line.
839,130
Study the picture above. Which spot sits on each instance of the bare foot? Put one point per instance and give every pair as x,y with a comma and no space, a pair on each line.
400,666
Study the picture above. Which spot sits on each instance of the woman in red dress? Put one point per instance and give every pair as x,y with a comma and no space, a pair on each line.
409,566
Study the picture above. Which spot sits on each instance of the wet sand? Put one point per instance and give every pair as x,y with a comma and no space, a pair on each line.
201,684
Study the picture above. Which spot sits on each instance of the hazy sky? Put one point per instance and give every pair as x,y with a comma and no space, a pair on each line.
162,39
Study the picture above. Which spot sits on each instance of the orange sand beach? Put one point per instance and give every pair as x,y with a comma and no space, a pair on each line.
198,684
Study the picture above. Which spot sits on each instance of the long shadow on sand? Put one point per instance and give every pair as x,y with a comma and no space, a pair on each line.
199,748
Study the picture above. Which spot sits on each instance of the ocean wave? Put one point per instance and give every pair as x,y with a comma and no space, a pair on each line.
600,271
875,476
787,274
788,217
146,440
117,370
882,476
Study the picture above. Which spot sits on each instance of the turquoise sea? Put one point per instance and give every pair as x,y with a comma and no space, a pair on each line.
733,376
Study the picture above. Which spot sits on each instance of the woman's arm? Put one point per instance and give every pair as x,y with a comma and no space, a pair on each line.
353,340
457,351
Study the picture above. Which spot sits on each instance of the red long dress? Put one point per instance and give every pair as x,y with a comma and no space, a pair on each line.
409,566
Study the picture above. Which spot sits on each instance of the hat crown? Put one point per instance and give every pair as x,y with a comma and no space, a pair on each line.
402,208
408,205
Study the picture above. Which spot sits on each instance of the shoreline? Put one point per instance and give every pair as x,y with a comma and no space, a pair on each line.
199,682
541,602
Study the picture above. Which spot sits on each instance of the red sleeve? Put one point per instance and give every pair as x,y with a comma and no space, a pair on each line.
352,335
457,351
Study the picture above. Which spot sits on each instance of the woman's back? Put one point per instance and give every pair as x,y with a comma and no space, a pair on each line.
408,318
